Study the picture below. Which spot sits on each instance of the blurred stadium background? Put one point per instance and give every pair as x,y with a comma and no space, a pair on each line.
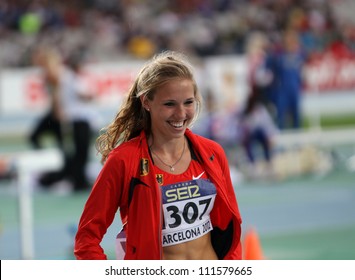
306,212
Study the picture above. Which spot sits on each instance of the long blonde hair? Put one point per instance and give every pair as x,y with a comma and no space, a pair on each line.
132,118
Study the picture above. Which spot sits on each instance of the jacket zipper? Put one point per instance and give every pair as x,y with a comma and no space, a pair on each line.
160,222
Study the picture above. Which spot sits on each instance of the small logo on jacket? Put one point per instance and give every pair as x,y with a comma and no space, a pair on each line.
197,177
159,179
144,167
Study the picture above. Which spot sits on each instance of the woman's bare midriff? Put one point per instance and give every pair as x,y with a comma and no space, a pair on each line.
198,249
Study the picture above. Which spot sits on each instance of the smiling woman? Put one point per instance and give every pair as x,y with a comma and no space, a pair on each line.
172,187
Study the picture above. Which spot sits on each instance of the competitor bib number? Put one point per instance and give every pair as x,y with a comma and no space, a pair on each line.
186,209
190,213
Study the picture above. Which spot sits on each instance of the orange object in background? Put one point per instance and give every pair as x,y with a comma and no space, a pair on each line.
252,248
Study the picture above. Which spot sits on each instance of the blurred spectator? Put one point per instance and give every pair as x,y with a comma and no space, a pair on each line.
256,126
49,61
286,62
257,129
78,119
30,23
259,75
141,47
81,116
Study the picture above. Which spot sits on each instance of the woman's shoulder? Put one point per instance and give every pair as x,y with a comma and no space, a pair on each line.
126,150
204,142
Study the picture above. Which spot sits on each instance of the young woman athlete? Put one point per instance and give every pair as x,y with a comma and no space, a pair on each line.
172,187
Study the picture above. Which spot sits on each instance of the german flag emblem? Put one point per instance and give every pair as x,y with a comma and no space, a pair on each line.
144,167
160,179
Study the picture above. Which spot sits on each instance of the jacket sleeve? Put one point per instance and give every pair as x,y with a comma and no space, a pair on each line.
232,198
99,211
236,252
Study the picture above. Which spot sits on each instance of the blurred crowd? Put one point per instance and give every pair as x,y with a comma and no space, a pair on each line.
111,29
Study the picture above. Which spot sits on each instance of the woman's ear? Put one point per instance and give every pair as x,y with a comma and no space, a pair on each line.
144,102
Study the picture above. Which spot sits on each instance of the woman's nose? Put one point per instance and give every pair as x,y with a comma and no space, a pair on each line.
180,111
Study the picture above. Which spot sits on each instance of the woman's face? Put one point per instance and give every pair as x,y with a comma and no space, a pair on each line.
172,108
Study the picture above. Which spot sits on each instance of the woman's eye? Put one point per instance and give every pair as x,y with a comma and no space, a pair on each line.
171,104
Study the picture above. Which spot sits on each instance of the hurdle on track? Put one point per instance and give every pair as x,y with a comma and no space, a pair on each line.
25,164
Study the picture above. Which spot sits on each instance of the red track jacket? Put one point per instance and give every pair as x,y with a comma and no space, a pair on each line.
127,182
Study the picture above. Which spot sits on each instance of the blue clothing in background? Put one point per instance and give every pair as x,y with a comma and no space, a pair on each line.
285,91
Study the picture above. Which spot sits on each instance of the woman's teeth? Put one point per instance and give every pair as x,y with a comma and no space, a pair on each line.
177,124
